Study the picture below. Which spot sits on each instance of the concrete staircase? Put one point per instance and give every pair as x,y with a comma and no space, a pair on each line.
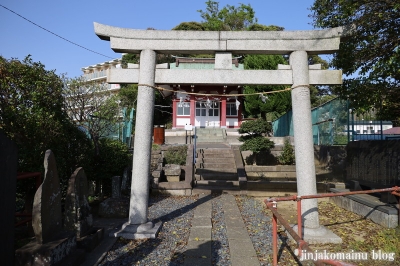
210,135
215,171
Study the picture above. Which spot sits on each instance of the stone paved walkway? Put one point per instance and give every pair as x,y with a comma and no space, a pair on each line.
199,245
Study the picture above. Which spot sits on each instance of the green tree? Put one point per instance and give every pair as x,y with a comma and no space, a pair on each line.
261,27
287,156
229,18
254,140
320,94
372,51
192,25
128,95
32,114
274,104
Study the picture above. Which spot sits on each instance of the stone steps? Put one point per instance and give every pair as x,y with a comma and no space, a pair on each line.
272,179
218,166
215,165
215,176
210,140
214,155
216,171
215,134
227,160
214,151
218,183
272,173
208,189
210,135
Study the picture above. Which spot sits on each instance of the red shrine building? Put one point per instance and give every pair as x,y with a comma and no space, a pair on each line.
191,104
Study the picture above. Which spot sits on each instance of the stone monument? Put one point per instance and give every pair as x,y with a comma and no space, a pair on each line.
125,182
46,213
118,205
52,245
297,44
77,216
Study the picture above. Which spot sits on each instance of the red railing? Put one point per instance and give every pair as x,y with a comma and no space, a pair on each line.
302,245
21,176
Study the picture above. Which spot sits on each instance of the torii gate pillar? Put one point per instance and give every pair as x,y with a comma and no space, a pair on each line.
312,231
304,150
138,225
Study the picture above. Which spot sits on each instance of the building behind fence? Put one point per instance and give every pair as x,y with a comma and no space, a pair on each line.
334,123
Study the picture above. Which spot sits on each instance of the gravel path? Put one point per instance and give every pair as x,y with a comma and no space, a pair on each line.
258,226
176,214
220,246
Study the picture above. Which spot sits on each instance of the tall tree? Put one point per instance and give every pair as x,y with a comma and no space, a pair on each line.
372,51
228,18
274,104
192,25
32,114
91,106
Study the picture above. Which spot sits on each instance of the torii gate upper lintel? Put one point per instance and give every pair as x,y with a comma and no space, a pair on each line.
297,44
124,40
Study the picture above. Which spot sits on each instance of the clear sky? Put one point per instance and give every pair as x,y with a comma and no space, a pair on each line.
73,20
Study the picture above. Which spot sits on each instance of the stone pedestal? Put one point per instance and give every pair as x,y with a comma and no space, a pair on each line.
62,249
138,231
320,235
172,172
173,178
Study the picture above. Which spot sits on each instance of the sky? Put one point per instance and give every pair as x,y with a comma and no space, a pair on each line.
73,20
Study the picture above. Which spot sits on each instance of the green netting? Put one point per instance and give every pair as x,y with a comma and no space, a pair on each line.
330,123
121,130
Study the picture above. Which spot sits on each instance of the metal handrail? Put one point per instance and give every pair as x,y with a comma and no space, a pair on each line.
194,148
271,204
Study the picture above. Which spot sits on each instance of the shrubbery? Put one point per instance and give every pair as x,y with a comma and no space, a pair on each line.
287,157
254,140
256,144
176,155
113,157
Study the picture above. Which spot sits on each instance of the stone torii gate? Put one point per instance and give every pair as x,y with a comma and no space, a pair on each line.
297,44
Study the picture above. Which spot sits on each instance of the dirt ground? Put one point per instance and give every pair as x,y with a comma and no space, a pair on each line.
358,235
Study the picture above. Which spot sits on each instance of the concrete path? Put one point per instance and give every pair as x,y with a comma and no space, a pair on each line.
199,245
241,248
198,251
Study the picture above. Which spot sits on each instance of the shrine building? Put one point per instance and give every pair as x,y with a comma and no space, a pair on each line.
191,104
